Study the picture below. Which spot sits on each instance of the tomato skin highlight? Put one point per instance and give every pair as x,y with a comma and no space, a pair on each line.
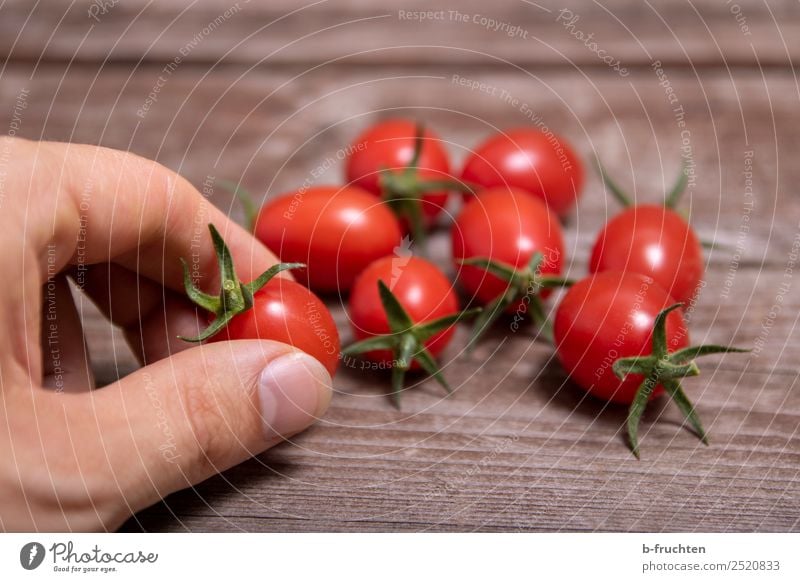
509,226
288,312
389,145
336,231
420,287
526,158
654,241
608,316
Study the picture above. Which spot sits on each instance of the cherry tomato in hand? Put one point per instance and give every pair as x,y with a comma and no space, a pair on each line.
654,241
609,316
336,232
267,308
542,164
388,148
508,226
288,312
420,287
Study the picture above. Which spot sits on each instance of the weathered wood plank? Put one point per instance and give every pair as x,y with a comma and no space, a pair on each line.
517,447
359,31
502,470
272,131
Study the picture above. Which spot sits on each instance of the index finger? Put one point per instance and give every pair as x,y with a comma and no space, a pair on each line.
114,206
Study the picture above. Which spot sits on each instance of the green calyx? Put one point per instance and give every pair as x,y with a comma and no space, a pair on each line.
234,296
667,369
406,341
403,189
671,200
245,199
522,283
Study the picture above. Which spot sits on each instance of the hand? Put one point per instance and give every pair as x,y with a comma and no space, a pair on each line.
75,458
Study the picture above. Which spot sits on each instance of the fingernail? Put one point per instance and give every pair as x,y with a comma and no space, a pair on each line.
294,391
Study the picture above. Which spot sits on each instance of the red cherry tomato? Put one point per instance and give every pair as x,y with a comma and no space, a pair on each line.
508,226
287,312
420,287
654,241
609,316
389,145
541,163
337,232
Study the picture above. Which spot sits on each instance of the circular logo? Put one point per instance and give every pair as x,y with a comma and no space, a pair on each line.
31,555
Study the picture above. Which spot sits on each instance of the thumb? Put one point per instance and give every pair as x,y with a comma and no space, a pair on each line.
183,419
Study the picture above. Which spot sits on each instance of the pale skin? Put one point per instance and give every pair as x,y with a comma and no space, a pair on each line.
76,458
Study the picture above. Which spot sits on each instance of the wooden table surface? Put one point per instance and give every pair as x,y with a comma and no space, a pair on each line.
265,91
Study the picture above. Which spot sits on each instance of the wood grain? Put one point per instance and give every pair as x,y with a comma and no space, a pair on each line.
700,34
517,447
